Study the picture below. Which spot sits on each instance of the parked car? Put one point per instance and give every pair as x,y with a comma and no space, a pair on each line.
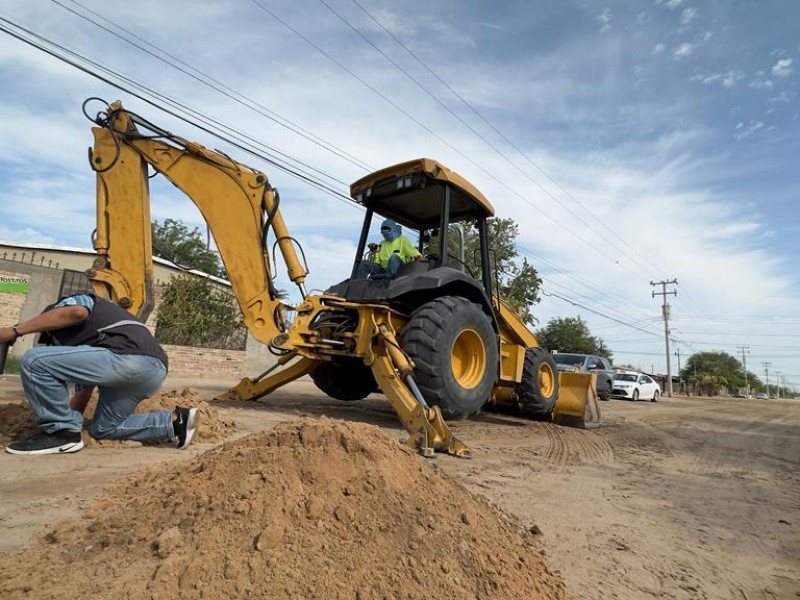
588,363
635,386
762,396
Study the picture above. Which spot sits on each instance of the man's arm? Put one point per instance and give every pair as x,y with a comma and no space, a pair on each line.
51,320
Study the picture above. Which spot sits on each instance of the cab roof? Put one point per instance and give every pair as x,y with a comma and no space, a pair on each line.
411,194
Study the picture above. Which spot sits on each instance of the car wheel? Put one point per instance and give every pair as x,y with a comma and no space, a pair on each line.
655,397
635,396
605,393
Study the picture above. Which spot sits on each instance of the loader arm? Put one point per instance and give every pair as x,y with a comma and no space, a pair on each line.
237,202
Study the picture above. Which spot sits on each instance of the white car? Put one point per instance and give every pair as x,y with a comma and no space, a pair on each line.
635,386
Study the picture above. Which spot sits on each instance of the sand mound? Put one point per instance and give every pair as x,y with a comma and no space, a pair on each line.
311,509
16,423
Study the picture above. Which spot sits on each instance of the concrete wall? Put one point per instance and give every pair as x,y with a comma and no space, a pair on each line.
43,289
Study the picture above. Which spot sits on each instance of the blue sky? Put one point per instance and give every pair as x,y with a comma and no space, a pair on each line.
632,141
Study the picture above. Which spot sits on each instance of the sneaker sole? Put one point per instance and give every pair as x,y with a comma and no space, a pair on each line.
191,427
64,449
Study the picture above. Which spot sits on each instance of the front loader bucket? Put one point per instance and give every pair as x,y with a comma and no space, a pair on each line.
577,400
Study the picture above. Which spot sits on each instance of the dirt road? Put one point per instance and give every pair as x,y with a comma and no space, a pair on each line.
686,498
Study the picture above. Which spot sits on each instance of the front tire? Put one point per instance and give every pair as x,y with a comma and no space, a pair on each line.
454,349
538,391
345,379
655,397
605,393
635,395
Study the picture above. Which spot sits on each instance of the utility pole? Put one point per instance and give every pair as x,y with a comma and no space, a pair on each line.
766,366
665,309
678,354
778,383
745,350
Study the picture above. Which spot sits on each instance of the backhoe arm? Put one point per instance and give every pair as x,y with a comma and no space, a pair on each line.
236,201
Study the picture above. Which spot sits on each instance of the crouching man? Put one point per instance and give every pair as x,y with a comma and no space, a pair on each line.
93,343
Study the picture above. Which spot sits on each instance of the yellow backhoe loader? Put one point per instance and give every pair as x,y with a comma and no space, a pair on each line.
436,341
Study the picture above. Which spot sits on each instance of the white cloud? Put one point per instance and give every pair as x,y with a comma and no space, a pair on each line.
687,16
744,131
782,98
683,50
782,68
604,19
659,48
728,79
759,84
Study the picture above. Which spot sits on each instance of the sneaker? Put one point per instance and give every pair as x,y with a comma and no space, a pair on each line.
185,425
58,442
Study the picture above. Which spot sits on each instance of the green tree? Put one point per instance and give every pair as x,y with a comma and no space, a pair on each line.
193,312
174,241
713,370
518,283
571,334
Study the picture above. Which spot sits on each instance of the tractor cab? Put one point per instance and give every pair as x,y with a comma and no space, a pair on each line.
437,209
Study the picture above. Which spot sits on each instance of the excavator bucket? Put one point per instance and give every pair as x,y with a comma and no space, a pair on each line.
577,400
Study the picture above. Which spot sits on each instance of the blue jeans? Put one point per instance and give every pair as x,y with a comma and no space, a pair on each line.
122,380
367,268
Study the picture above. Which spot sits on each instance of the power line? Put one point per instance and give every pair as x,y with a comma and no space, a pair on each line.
6,26
455,149
477,113
580,217
218,86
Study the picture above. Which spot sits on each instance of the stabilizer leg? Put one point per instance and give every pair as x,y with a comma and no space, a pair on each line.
428,432
252,389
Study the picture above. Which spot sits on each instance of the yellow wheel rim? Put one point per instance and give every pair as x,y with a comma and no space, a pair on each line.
547,379
468,359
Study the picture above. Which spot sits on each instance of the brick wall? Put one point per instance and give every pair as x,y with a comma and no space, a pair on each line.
186,361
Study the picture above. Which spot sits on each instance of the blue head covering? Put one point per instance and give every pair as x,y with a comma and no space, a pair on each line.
390,230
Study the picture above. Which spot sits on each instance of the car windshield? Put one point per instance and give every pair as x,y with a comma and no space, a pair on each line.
568,359
624,377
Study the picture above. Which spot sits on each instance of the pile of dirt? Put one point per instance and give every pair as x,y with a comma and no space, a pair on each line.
16,423
311,509
16,420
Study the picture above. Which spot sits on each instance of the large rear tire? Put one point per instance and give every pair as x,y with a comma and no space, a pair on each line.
538,391
454,349
345,379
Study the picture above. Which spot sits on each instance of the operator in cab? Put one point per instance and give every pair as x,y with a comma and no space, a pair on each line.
387,257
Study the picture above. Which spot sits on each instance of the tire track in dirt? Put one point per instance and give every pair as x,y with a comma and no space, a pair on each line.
568,447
